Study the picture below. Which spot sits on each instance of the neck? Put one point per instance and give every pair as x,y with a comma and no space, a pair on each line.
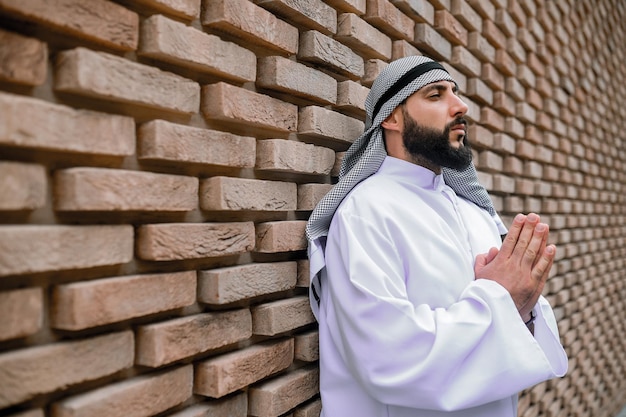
421,161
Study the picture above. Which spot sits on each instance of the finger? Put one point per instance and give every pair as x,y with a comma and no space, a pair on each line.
536,246
525,236
491,255
541,271
479,263
543,246
511,238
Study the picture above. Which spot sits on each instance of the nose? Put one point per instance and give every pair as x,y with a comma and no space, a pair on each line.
458,108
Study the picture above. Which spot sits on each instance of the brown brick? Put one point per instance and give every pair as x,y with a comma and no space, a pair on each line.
103,189
312,409
480,136
144,395
504,62
39,248
362,37
351,96
490,161
420,11
23,60
492,77
165,342
353,6
232,406
373,68
335,129
312,14
515,89
170,142
251,23
516,50
431,42
170,41
493,34
236,194
280,394
280,155
184,9
465,61
504,143
318,48
310,194
504,103
176,241
478,45
402,48
103,22
232,104
307,346
29,372
282,74
236,283
112,78
232,371
503,184
282,236
280,316
465,14
60,128
388,18
23,186
525,76
82,305
525,112
485,8
450,28
479,91
21,311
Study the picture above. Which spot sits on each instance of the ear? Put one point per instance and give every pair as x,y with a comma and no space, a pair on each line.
394,121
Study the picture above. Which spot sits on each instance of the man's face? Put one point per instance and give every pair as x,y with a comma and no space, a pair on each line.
438,132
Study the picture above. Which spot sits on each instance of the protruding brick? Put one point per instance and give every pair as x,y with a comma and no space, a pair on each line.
26,373
428,40
283,236
184,9
493,34
279,395
361,36
312,14
232,104
251,23
310,194
144,395
351,96
450,27
312,409
61,128
303,273
170,41
466,15
478,45
170,142
102,189
176,241
23,186
320,49
103,22
288,76
227,193
388,18
402,48
39,248
420,11
280,316
465,61
232,406
280,155
82,305
335,129
23,60
232,371
236,283
373,68
112,78
22,312
479,91
165,342
307,346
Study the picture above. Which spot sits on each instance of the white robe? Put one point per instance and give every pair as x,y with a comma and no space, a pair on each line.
405,329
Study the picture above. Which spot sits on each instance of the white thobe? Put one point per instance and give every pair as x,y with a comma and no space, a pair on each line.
405,329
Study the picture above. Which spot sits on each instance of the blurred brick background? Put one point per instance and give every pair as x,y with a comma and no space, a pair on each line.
159,159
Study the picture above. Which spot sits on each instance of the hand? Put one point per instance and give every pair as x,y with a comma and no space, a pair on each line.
522,264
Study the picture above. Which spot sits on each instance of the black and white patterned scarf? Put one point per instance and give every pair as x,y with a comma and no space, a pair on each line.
399,80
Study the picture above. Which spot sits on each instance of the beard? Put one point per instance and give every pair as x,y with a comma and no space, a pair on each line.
426,144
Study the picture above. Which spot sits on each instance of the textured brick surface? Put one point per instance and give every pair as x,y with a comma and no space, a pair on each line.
232,371
31,248
102,189
93,303
165,342
159,159
48,368
230,284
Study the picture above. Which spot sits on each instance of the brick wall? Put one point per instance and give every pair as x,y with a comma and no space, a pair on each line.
159,159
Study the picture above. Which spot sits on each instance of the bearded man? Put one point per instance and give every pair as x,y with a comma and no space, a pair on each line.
423,309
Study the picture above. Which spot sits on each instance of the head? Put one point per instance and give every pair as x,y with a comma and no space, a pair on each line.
421,114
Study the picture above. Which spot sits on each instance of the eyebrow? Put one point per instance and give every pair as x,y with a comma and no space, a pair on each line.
439,86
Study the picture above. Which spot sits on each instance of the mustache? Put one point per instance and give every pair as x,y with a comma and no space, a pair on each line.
456,122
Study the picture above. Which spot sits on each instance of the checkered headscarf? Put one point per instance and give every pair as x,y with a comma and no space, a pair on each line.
399,80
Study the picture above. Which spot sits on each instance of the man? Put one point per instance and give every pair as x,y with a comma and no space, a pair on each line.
420,314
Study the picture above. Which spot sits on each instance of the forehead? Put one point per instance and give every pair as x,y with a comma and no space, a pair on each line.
439,85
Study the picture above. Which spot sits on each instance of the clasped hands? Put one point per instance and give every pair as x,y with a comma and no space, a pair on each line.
522,264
